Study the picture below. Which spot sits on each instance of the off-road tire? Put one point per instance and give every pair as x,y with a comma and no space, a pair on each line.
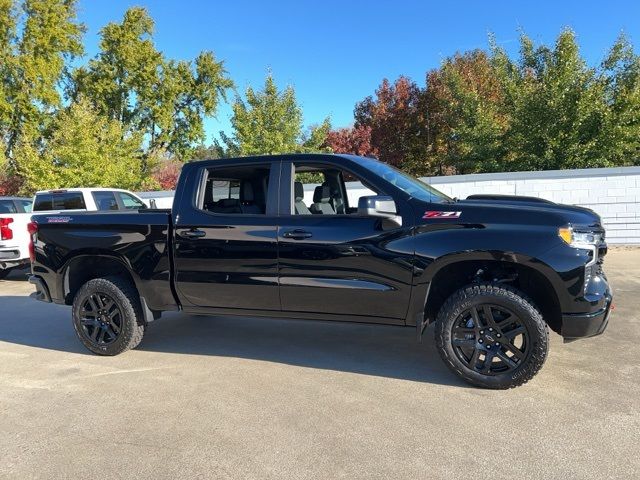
500,296
127,300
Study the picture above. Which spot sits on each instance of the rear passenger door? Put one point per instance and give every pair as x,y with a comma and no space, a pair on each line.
225,244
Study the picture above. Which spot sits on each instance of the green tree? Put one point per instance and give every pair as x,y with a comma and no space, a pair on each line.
270,122
132,82
86,149
621,77
559,109
34,64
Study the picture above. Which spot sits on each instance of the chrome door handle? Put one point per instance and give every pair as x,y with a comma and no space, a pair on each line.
195,233
297,234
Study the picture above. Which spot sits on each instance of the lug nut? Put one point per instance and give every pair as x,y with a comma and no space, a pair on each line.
498,335
480,341
491,329
481,332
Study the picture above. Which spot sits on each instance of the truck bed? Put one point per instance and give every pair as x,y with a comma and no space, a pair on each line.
137,240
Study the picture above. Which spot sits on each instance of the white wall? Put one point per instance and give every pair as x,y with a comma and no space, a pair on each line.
614,193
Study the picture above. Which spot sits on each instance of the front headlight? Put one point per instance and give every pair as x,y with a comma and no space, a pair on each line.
581,239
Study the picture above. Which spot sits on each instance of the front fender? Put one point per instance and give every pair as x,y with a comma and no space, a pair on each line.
440,246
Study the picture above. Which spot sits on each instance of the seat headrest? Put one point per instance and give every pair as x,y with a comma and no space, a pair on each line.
322,194
228,202
246,192
298,191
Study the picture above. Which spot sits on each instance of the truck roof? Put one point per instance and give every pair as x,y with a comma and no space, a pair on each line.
84,190
16,198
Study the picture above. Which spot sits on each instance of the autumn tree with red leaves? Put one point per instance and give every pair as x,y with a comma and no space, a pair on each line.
352,140
397,123
166,174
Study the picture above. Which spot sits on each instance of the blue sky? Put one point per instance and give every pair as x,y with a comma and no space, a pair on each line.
335,53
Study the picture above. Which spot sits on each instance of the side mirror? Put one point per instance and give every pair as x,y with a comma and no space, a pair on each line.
152,202
379,206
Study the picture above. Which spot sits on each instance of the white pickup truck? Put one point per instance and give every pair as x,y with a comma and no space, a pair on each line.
14,238
15,215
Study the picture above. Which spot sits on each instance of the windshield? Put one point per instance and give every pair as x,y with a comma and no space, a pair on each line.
406,183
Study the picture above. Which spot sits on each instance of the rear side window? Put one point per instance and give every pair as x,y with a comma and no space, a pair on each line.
105,201
236,190
7,206
59,201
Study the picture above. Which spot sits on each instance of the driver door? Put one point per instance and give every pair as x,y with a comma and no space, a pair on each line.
333,260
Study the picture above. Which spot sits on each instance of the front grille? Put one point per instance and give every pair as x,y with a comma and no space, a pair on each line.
598,266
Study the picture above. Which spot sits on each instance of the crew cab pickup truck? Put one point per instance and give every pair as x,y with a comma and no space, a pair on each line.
493,273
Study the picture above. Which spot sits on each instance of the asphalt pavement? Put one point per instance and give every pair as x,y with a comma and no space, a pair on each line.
246,398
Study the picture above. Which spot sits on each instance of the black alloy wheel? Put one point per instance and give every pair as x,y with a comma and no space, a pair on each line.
107,315
101,319
490,339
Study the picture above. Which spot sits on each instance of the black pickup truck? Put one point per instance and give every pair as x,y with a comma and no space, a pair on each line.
335,237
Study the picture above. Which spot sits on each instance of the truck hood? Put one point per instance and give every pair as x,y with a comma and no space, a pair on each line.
513,209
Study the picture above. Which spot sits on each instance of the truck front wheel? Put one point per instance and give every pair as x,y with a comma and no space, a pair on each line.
492,336
107,316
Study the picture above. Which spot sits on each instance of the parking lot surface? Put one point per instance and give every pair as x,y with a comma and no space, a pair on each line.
213,397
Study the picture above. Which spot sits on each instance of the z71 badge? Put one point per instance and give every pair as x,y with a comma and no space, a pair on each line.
429,214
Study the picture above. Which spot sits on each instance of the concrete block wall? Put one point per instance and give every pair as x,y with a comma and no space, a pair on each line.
614,193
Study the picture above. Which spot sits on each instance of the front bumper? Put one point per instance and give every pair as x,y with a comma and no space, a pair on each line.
575,326
594,322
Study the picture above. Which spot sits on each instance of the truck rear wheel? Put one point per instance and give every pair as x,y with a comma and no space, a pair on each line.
492,336
107,316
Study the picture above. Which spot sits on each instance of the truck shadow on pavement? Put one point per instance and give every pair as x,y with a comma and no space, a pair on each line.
377,350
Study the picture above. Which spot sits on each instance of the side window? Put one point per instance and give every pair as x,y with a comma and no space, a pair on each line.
324,190
68,201
130,202
105,201
240,190
7,206
26,205
59,201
